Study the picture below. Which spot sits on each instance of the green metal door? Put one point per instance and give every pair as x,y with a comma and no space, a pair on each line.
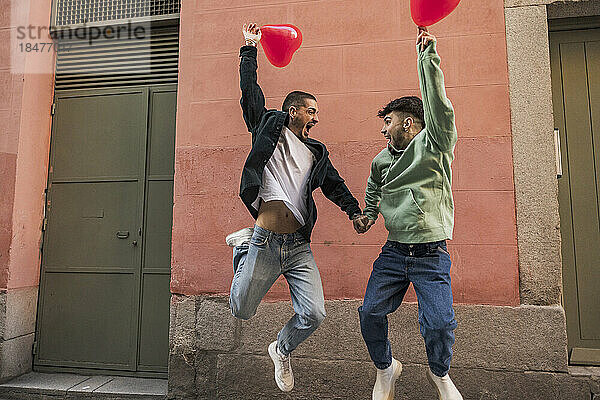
575,58
104,290
158,219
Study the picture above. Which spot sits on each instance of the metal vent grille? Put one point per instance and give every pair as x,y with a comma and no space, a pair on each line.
75,12
118,62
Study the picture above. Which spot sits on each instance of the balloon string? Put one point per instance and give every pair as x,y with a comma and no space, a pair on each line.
422,29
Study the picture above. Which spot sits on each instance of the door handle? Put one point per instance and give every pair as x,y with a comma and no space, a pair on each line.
122,234
558,153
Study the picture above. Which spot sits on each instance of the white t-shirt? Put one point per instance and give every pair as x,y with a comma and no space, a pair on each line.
286,174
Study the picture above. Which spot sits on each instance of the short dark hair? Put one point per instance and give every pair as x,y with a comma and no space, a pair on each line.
411,105
296,98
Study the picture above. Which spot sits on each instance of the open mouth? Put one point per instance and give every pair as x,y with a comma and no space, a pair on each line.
307,128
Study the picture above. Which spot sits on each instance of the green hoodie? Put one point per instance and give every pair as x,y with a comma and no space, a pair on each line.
412,188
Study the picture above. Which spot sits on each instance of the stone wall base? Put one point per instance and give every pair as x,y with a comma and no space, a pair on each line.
17,326
500,353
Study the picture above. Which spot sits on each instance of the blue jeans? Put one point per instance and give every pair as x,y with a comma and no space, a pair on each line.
427,266
257,266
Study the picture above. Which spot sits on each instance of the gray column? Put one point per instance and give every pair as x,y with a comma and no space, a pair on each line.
536,186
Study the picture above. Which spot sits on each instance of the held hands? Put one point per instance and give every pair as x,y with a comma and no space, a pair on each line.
424,37
251,34
362,223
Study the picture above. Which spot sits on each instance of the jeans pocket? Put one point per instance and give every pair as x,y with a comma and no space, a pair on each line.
443,250
258,239
300,240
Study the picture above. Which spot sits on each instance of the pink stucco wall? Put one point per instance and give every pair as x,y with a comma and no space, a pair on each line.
356,56
24,145
10,110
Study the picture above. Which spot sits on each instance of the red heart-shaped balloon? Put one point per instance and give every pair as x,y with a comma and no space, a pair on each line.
280,42
428,12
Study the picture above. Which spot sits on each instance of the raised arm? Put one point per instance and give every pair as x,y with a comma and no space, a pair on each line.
439,114
253,99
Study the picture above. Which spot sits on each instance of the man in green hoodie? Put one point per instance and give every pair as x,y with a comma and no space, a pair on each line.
410,185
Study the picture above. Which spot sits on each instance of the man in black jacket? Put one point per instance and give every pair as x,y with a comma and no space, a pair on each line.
282,170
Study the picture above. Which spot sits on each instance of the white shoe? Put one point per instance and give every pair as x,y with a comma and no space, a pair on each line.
386,379
240,237
283,369
444,386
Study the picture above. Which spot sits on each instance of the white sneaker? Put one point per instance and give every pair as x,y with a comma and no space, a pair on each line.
386,379
444,386
283,369
240,237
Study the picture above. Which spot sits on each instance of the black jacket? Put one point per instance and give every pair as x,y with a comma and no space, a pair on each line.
266,127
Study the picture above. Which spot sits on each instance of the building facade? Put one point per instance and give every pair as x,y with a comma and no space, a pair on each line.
527,311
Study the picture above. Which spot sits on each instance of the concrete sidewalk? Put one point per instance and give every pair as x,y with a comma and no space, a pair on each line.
36,385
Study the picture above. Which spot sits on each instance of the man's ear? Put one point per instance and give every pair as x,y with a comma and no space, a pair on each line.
292,111
408,122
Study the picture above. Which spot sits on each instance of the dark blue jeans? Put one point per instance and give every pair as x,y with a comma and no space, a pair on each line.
427,266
